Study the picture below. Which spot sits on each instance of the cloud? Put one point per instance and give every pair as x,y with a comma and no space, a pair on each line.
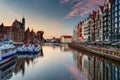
68,1
78,75
81,7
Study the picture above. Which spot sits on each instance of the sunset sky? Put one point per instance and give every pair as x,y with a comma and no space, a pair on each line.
54,17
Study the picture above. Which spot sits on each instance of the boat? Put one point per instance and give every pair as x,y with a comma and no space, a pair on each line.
20,55
29,48
7,51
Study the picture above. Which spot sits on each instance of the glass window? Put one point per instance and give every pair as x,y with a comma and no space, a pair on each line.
119,19
119,12
115,8
113,26
116,2
115,14
116,25
119,24
115,19
119,6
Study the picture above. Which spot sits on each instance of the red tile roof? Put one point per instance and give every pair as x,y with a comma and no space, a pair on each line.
65,36
40,32
101,7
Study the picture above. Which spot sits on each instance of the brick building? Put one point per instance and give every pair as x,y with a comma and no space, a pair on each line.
14,32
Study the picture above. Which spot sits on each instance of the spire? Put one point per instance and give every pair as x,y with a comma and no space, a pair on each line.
23,23
32,30
23,20
2,24
28,29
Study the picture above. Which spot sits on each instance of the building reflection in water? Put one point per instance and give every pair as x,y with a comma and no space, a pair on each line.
64,47
96,68
7,69
25,59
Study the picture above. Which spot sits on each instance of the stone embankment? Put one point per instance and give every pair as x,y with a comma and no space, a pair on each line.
94,52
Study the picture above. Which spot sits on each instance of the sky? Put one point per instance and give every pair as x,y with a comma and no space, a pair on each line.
54,17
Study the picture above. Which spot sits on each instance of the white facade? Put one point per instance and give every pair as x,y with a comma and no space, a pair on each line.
66,39
85,28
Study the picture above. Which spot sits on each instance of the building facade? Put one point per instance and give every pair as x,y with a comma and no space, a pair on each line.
66,39
107,20
90,24
85,30
5,32
18,29
75,37
99,24
94,26
115,22
40,36
77,33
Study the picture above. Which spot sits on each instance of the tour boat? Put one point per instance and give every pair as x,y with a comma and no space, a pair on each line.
29,48
7,51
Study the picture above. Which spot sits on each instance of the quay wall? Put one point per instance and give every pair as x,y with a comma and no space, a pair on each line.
91,51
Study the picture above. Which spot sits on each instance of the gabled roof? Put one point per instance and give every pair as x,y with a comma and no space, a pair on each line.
16,21
101,7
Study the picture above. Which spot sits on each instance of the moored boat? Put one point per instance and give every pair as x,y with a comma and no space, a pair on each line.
7,51
29,48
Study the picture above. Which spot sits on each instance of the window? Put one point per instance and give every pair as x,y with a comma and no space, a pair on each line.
119,19
115,19
113,26
116,25
119,12
115,14
116,2
119,25
119,6
116,8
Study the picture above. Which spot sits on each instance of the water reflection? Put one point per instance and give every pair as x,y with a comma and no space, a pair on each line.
21,60
64,47
95,68
6,70
55,64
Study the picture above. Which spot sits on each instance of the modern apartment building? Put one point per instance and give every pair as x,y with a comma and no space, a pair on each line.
115,22
107,20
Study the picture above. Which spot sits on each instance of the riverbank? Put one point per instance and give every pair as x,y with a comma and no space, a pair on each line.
92,51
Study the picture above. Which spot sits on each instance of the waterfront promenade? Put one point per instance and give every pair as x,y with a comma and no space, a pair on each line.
103,52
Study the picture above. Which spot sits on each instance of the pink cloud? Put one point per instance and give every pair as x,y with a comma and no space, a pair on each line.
81,7
64,1
68,1
78,75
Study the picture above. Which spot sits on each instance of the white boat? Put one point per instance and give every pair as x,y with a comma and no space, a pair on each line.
7,51
29,48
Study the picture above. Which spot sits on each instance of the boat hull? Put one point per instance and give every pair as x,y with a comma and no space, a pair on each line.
28,52
6,58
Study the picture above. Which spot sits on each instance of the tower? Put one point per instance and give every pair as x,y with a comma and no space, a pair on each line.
23,23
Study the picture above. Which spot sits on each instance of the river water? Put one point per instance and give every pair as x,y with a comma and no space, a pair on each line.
60,63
